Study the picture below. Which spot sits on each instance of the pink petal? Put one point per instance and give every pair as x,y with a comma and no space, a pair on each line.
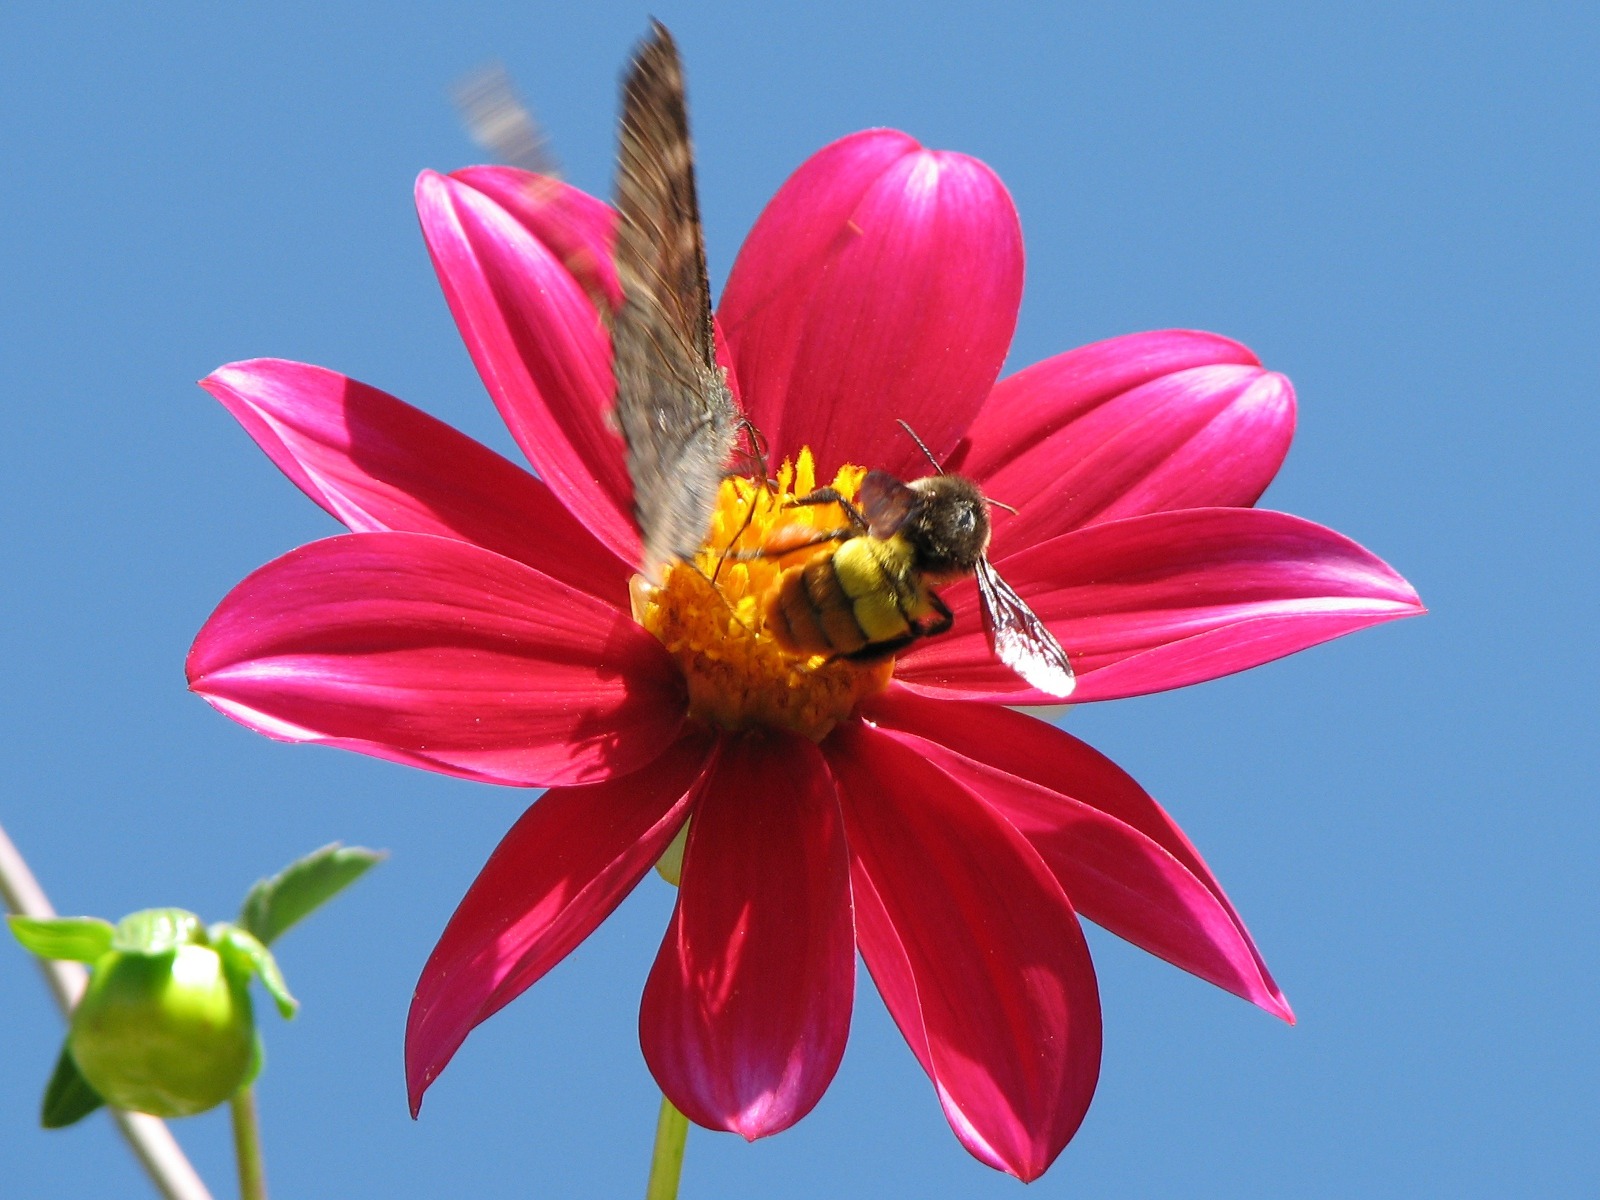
439,654
539,346
1135,425
975,949
747,1008
378,464
881,282
574,226
1122,861
725,361
1038,401
1169,599
560,871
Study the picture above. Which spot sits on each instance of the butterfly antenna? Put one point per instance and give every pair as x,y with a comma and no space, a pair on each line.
921,445
758,450
758,445
750,515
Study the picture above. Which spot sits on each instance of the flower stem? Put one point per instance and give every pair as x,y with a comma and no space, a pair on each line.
666,1162
247,1145
148,1137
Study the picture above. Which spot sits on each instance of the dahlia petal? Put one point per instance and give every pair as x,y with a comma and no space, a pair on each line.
1168,599
747,1008
882,282
1037,402
1136,425
440,654
577,228
540,347
1122,861
975,949
725,361
375,463
561,870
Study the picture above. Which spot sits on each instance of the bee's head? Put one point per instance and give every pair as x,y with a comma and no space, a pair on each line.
949,531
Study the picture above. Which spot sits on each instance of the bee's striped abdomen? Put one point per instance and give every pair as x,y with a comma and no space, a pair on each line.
846,601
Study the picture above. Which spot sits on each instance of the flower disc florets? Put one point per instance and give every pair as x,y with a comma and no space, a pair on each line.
710,614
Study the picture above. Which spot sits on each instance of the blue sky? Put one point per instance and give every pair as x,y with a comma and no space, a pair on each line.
1395,205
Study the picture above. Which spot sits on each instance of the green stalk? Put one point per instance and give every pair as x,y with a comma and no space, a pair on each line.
666,1161
247,1145
148,1137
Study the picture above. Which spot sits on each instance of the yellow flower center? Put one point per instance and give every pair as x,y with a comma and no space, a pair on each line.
711,614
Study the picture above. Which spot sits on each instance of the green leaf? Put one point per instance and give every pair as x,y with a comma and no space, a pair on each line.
244,954
302,887
157,930
74,939
68,1097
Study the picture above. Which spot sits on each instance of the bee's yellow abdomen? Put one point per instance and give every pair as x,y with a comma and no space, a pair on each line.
872,573
845,601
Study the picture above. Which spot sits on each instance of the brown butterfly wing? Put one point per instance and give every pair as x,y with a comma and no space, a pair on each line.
674,406
501,123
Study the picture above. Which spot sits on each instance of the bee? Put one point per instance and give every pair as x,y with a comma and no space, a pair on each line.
868,593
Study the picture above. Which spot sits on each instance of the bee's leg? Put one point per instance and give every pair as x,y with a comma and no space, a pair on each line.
830,495
878,651
821,538
943,618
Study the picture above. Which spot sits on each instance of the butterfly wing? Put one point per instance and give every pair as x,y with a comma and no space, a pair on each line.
1019,638
674,407
499,121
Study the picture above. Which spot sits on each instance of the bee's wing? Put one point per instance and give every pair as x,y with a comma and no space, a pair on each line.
1019,638
673,404
500,123
885,502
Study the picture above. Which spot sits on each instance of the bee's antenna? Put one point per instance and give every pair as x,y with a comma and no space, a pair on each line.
921,445
1000,504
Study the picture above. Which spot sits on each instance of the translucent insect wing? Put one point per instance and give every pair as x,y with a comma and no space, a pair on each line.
886,503
1019,638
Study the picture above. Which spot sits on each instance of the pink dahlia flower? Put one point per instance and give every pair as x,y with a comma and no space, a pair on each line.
477,621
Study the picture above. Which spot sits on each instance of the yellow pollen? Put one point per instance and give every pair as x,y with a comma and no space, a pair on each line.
710,614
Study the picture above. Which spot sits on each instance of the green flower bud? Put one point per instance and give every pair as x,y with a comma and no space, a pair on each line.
169,1033
165,1026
